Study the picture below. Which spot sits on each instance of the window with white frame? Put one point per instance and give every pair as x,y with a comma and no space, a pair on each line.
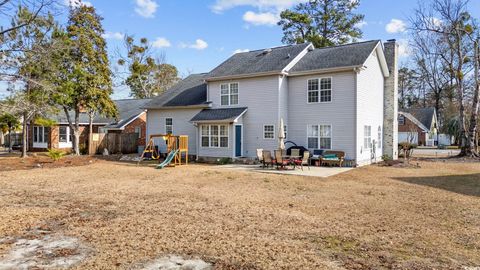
169,125
401,120
64,134
214,136
320,90
325,137
367,137
319,137
312,137
138,130
269,132
229,94
379,141
40,134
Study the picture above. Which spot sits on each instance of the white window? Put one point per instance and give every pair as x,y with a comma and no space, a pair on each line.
229,94
64,134
320,90
379,142
214,136
269,132
40,134
367,137
312,136
319,137
138,130
169,125
401,120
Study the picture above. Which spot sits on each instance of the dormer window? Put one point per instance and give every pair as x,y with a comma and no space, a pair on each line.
229,94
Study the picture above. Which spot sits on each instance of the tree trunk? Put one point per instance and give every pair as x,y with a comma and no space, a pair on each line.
472,131
76,133
10,143
90,132
25,136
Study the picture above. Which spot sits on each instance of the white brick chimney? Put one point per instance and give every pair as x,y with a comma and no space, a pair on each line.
390,103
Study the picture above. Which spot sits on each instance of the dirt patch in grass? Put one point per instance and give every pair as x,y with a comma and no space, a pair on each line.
40,160
367,218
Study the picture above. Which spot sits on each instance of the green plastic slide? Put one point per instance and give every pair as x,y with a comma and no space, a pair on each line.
168,160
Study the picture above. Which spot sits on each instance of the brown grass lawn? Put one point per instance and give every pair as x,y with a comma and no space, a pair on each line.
368,218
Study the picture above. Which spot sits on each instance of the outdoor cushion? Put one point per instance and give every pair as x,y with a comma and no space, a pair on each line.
333,158
327,156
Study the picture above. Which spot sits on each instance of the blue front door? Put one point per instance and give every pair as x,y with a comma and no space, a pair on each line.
238,141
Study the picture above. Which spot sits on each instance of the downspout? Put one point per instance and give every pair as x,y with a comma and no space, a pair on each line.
355,125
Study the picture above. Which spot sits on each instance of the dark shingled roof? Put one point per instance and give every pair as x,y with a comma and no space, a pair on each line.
218,114
354,54
258,61
128,109
423,115
190,91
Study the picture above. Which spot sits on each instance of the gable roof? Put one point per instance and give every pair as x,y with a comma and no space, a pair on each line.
191,91
348,55
128,110
219,115
273,60
423,115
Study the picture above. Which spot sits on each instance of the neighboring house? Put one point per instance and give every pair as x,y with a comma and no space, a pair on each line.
418,126
131,119
342,98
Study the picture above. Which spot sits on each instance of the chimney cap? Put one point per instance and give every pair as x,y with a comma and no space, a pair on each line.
391,40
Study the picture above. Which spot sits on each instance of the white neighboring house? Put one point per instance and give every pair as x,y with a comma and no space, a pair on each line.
339,98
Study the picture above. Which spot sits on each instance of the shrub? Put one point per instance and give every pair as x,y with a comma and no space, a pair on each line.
386,158
55,154
224,161
406,149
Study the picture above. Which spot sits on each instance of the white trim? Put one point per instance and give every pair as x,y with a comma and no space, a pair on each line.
126,124
168,125
323,70
263,131
235,141
319,89
210,136
230,94
319,137
298,58
44,142
243,76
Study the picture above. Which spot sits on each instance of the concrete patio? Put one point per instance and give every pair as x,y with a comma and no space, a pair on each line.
314,171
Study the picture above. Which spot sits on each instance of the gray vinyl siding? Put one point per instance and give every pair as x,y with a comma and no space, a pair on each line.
181,126
339,113
261,96
370,85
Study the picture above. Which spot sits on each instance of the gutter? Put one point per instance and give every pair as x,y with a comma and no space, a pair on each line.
325,70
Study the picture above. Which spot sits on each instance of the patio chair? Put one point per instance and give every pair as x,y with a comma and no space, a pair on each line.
304,161
282,163
260,156
267,158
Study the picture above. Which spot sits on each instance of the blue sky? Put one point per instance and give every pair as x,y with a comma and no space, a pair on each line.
197,35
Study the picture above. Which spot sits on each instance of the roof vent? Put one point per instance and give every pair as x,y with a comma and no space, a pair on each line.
267,51
288,56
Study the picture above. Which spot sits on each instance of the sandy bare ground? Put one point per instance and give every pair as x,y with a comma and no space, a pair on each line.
130,217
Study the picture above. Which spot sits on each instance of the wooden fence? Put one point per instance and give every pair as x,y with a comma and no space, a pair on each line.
115,143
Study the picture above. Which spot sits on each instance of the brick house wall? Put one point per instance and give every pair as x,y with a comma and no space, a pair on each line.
410,126
53,136
140,122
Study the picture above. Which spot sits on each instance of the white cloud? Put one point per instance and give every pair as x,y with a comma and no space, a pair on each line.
361,24
266,18
77,3
222,5
240,51
113,35
396,26
146,8
199,44
161,42
403,48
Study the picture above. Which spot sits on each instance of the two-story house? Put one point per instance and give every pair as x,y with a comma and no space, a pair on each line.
341,98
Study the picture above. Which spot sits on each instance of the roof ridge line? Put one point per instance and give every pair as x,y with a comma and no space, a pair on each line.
348,44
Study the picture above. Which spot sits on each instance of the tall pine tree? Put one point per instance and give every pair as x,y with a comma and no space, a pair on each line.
322,22
84,76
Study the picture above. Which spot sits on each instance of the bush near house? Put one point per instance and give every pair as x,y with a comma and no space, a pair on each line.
55,154
406,149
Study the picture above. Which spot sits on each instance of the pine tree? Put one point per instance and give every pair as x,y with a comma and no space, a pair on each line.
322,22
83,70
